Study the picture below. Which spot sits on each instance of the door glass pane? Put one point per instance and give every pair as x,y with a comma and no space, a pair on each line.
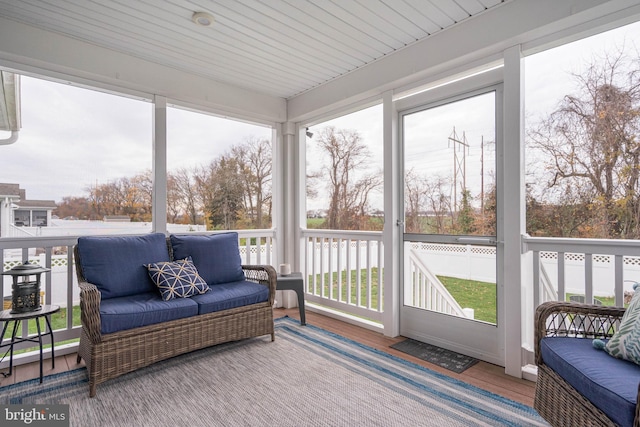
450,168
450,198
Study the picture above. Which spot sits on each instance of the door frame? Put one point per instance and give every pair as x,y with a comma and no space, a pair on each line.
491,345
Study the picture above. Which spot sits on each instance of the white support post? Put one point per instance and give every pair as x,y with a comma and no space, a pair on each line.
393,207
159,167
287,220
512,210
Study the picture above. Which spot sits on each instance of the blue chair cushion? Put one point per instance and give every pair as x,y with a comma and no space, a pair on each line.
133,311
117,264
610,384
216,256
231,295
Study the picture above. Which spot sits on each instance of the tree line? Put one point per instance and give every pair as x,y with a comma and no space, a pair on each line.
232,192
590,152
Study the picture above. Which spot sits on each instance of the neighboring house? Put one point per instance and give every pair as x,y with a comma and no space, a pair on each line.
18,211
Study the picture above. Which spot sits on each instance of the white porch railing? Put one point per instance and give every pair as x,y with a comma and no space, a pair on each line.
590,267
426,290
60,284
343,271
604,264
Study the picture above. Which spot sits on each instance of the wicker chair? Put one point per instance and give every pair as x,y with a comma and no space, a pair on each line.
555,399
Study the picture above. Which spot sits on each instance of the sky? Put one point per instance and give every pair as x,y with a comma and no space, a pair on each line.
73,138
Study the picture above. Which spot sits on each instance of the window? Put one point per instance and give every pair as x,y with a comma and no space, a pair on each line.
82,155
582,129
345,172
219,173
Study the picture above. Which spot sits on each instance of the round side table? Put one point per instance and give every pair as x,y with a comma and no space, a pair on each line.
7,317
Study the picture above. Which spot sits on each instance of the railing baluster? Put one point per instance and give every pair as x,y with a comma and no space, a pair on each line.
358,275
369,290
313,261
258,247
348,275
339,268
562,296
70,277
322,269
330,267
537,288
380,276
588,278
619,280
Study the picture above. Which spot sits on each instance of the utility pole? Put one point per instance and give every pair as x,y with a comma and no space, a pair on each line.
459,163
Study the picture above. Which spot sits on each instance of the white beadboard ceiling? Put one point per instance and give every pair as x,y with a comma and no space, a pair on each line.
276,47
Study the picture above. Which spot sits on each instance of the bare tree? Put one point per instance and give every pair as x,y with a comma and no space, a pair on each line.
185,193
254,161
592,143
415,201
348,195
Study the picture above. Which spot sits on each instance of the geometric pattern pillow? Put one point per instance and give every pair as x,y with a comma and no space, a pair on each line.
177,279
625,343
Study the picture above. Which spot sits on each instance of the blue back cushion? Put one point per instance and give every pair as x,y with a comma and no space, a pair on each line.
117,264
216,256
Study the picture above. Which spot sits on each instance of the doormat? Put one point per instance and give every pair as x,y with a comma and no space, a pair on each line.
442,357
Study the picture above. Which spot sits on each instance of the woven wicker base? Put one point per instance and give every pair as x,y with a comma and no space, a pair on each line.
561,405
123,352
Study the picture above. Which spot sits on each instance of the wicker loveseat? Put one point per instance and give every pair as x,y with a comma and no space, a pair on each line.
579,385
127,325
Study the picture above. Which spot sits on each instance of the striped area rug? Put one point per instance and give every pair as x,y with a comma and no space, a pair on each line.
307,377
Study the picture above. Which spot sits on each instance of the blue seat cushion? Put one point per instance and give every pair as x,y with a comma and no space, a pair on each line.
117,264
231,295
610,384
118,314
216,256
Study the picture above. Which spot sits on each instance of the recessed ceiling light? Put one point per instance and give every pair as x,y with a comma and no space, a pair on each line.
203,19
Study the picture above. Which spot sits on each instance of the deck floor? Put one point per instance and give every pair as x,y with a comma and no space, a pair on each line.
484,375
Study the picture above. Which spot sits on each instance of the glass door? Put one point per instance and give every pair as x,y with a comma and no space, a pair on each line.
450,292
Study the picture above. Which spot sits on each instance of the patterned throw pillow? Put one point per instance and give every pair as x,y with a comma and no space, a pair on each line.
177,279
625,343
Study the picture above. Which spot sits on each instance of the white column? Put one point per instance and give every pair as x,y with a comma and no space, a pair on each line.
159,165
288,221
6,217
393,207
512,209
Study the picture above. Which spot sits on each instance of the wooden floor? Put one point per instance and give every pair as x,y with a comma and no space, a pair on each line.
484,375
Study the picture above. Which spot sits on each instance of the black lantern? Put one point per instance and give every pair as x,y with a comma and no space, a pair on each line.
25,294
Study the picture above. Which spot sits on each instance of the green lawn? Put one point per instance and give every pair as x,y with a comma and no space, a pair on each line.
481,296
58,321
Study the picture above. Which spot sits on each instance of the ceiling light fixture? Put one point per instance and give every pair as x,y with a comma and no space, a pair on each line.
203,19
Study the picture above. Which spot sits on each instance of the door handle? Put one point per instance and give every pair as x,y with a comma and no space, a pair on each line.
477,240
